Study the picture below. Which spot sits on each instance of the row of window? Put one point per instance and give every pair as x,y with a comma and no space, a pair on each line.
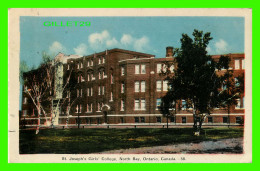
237,64
101,60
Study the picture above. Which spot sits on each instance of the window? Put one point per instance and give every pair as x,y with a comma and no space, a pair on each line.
159,85
172,119
80,107
142,119
238,106
99,60
91,62
137,85
142,86
239,120
136,120
137,69
25,100
142,69
122,120
89,78
159,68
111,96
82,79
158,103
77,109
122,71
98,107
122,105
165,85
77,65
89,107
243,64
243,103
142,104
99,75
88,91
104,59
25,112
122,88
158,119
81,64
164,68
99,90
103,90
68,66
183,119
172,68
237,64
225,119
183,105
137,104
81,92
88,64
210,119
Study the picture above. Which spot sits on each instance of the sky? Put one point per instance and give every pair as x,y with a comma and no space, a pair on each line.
143,34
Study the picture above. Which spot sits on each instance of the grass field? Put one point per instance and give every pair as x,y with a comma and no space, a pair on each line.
83,141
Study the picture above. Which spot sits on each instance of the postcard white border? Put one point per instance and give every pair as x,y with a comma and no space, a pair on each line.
13,84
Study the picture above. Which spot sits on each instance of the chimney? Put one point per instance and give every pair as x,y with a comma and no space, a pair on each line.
169,51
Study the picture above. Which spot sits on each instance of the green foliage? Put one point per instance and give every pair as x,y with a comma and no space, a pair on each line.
195,80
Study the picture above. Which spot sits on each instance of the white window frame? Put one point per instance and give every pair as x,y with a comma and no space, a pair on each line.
238,105
137,86
159,68
122,71
165,85
142,86
237,64
137,104
137,69
143,69
122,105
158,85
158,105
122,87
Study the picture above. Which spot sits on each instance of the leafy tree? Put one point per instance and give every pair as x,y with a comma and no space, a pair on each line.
195,84
39,86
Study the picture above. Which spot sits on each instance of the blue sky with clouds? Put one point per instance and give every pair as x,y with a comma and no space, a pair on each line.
144,34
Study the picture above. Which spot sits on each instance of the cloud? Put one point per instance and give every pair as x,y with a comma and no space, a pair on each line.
81,49
103,40
221,46
209,50
98,40
56,47
141,44
112,43
126,39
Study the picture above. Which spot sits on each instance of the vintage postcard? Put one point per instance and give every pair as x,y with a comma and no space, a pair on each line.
130,85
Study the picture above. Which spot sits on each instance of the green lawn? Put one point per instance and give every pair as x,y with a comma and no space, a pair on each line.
83,141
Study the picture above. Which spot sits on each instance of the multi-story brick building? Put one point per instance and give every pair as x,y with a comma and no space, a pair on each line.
125,87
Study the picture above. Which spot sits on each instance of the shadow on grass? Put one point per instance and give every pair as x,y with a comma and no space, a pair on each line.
84,141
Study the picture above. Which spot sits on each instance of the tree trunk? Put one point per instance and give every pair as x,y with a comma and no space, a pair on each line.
167,122
39,117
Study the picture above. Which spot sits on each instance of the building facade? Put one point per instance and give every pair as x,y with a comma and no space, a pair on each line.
121,87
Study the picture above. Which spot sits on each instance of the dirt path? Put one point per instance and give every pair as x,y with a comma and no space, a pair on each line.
224,146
